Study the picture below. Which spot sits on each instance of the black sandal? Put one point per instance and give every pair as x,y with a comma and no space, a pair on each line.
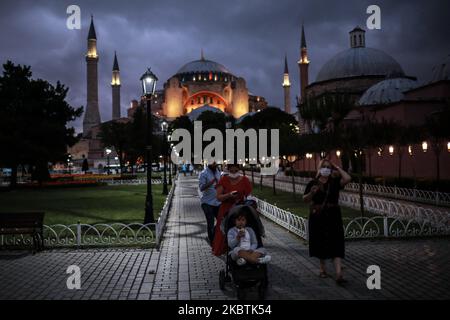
341,281
323,274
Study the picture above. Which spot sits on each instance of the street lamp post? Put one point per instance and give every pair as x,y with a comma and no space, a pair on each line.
108,152
169,139
164,127
148,81
68,163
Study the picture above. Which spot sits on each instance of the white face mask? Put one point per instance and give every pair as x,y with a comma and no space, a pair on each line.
325,172
234,175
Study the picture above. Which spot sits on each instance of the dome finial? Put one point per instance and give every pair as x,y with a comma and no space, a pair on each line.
92,35
202,55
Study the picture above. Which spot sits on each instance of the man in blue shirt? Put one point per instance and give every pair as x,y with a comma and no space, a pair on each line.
208,179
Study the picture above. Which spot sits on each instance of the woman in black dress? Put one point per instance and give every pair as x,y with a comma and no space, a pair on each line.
326,231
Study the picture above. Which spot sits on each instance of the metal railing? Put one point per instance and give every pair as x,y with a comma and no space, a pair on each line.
380,206
286,219
415,195
100,235
356,228
161,223
111,182
430,197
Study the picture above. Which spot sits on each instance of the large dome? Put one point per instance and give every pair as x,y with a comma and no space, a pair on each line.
359,61
387,91
203,65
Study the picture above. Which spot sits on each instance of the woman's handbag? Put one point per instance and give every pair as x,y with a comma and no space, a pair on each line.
318,208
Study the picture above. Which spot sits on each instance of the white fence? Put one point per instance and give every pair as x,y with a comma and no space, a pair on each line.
379,206
415,195
99,235
431,197
112,182
357,228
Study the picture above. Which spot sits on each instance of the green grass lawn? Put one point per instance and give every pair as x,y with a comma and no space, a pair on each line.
285,200
90,205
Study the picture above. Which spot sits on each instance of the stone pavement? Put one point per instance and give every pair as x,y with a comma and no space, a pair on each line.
185,269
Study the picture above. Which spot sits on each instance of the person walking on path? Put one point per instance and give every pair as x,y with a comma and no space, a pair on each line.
208,180
326,231
232,188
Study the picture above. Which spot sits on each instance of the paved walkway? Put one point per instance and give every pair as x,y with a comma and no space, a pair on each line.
185,269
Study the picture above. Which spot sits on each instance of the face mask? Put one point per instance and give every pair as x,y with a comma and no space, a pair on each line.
325,172
234,175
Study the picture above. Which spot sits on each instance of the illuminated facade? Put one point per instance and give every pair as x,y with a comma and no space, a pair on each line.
205,82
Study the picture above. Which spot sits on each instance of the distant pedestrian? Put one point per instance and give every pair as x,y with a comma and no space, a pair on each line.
85,165
208,180
326,231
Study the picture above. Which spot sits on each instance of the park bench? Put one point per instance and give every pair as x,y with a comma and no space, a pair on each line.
24,223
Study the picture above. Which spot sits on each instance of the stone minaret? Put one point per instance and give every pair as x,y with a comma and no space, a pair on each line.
286,87
92,113
115,85
303,64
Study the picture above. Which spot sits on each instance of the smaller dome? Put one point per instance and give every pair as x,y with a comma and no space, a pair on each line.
357,62
387,91
441,71
194,114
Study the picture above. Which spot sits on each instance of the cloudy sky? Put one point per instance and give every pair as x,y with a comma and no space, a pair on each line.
249,37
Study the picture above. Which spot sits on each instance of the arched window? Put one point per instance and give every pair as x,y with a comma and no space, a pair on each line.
360,40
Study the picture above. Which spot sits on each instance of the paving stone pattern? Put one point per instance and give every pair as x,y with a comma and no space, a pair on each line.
184,267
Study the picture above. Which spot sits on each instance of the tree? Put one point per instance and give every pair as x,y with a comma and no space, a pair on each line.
114,134
437,129
33,121
274,118
136,137
404,136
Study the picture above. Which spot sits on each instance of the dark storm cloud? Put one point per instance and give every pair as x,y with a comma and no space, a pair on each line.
250,37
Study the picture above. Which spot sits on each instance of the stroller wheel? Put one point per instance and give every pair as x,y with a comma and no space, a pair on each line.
262,290
222,279
240,293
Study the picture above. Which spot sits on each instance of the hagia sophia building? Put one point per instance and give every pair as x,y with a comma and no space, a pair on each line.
201,85
374,81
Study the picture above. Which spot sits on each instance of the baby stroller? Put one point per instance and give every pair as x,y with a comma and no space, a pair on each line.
248,275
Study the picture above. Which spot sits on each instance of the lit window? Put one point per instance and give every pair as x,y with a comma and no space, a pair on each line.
391,150
424,146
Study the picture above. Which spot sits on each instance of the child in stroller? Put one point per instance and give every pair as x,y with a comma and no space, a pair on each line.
246,257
